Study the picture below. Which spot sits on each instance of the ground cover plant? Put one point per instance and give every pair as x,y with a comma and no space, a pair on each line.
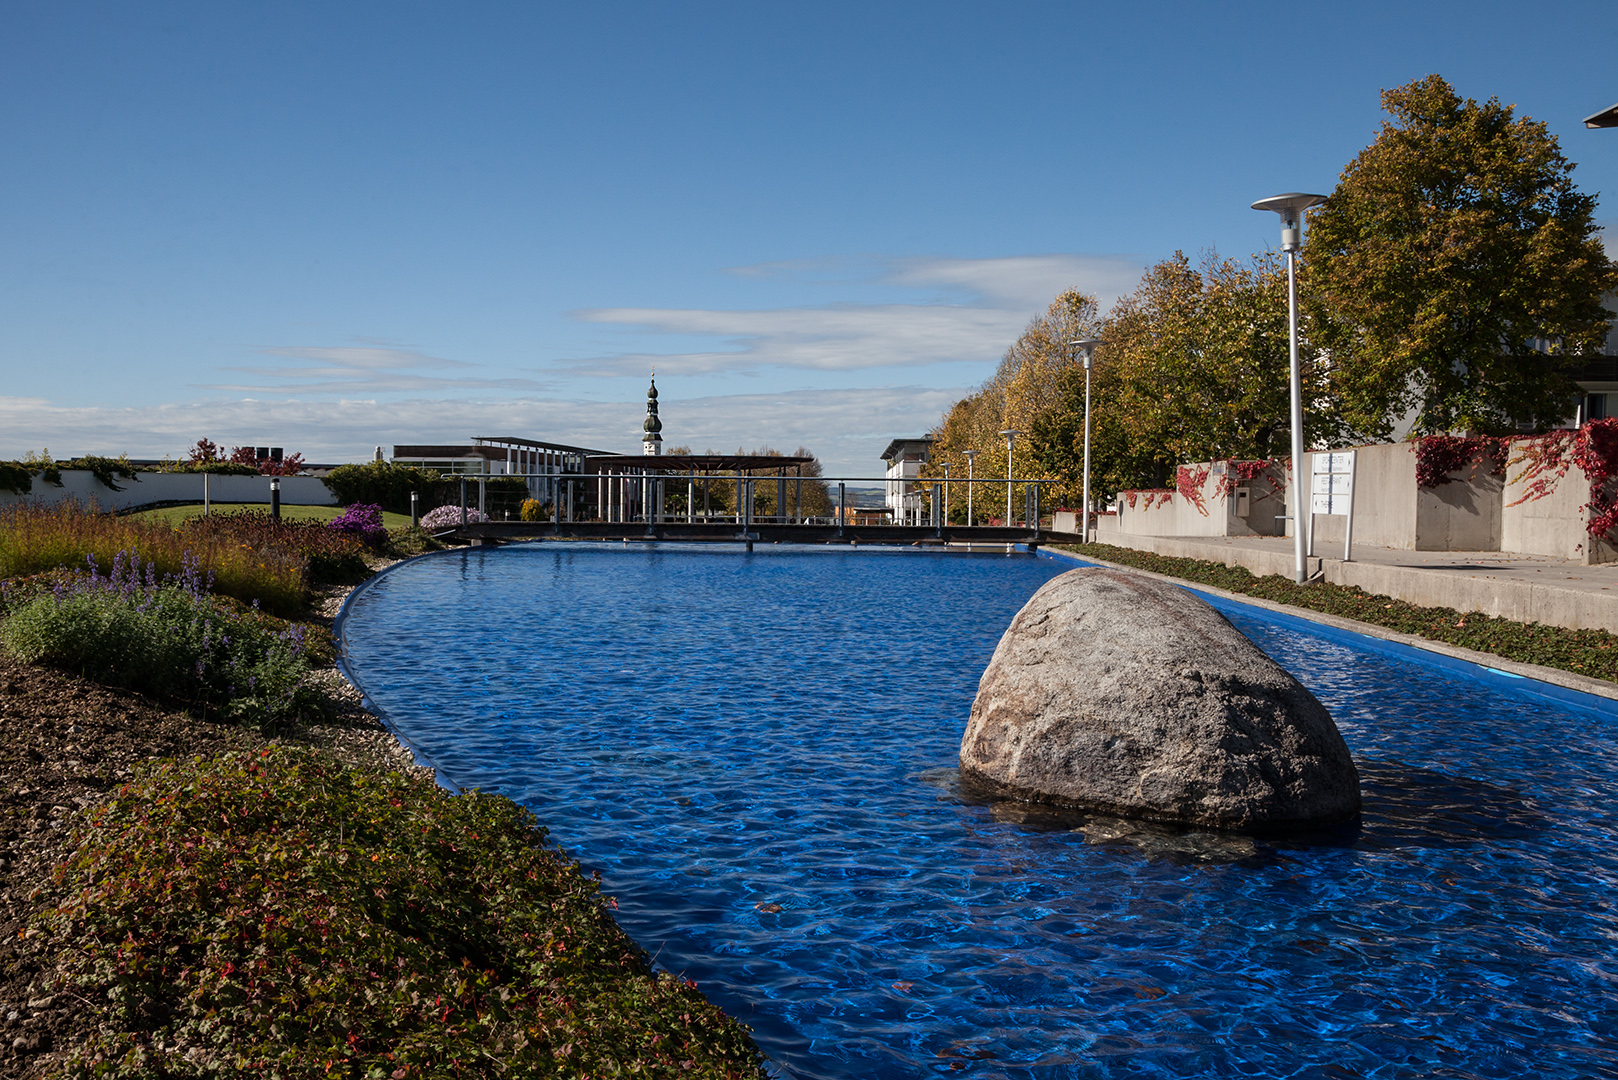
274,913
1585,652
168,638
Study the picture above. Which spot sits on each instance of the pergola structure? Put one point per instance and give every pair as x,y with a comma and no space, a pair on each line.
630,487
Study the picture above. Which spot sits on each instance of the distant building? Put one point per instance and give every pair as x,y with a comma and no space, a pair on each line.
906,501
1597,376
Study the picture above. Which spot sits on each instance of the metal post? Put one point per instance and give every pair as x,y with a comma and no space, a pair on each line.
691,499
415,510
946,493
1084,527
971,460
1291,206
275,497
463,502
1348,525
842,506
938,508
1010,440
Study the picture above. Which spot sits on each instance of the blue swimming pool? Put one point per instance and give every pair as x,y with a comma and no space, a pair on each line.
758,753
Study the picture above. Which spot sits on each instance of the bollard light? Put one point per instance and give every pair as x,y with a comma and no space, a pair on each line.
1291,207
1086,348
275,497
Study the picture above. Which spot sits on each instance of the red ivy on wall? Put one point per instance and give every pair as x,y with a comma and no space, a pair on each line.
1439,455
1242,472
1594,449
1188,482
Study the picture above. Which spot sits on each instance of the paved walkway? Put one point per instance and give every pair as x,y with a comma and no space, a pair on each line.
1526,588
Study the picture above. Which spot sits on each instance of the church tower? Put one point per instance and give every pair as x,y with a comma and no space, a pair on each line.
651,443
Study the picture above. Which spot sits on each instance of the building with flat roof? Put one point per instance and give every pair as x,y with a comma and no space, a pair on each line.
905,499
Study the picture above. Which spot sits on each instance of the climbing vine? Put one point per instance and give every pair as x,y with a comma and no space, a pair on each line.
1594,449
1439,455
1243,472
1188,482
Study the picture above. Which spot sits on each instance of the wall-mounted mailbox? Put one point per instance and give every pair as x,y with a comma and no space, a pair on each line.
1243,501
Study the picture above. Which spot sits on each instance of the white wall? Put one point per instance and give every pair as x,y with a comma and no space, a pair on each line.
148,488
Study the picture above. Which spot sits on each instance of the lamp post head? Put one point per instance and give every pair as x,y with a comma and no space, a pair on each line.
1289,206
969,454
1087,348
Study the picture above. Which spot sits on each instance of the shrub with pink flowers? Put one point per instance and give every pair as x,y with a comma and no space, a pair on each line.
447,517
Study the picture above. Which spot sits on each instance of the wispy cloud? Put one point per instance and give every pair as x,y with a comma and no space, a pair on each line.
362,369
965,309
846,428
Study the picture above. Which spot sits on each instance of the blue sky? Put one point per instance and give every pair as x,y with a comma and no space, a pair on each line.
329,226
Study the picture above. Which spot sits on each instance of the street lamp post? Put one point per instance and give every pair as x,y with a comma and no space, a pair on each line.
1011,437
1291,206
970,455
1087,349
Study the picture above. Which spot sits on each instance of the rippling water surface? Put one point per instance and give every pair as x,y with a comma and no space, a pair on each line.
758,752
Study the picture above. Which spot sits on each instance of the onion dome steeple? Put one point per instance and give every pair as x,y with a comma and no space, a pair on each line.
651,443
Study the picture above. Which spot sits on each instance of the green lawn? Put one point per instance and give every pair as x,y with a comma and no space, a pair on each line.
173,515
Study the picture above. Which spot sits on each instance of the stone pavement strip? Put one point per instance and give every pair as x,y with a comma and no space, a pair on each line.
1523,588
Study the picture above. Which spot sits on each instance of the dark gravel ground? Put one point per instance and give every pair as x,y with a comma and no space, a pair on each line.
65,744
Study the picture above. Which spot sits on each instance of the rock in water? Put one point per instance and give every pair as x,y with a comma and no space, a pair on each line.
1123,694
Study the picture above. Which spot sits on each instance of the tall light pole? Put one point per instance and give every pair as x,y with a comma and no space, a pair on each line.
1087,348
1290,206
1011,436
970,455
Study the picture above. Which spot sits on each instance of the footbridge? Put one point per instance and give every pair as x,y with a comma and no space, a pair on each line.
659,499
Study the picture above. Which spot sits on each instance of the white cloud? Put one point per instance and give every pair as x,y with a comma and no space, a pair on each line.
361,369
846,428
971,309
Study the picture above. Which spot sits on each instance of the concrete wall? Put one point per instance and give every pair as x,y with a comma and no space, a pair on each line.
1219,514
148,488
1554,524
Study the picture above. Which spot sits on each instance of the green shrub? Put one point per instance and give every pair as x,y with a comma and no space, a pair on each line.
409,540
170,640
278,914
532,510
385,484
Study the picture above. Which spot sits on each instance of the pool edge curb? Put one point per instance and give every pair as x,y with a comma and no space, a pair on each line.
340,662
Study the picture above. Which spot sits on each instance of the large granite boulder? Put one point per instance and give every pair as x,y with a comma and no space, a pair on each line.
1123,694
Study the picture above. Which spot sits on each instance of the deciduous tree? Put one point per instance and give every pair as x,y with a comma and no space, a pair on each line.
1456,269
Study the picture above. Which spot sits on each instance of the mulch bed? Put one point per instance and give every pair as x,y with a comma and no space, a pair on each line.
67,743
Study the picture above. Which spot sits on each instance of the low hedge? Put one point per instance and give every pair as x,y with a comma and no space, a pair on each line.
1584,652
278,914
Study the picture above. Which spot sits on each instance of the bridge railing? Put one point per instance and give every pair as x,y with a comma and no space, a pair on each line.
653,498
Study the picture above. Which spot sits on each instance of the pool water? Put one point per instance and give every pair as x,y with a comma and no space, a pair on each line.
758,753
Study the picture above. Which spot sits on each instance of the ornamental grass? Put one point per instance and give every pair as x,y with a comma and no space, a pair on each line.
251,557
278,914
